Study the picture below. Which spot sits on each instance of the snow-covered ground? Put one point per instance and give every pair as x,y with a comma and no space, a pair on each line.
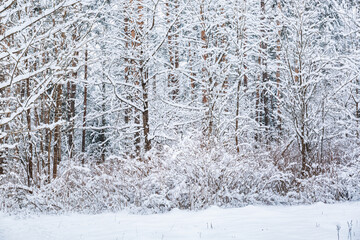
318,221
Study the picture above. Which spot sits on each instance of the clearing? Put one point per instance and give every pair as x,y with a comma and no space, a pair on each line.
318,221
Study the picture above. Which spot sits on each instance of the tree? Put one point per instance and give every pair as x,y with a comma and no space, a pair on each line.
36,53
307,66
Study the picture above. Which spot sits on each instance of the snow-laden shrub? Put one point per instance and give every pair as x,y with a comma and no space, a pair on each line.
191,175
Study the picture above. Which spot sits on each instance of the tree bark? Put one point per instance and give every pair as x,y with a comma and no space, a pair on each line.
57,133
83,140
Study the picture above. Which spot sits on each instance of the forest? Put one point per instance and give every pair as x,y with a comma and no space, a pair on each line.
153,105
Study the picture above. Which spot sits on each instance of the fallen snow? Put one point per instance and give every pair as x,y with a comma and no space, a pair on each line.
318,221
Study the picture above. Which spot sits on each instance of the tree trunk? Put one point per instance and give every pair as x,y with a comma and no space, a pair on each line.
205,45
71,102
145,114
83,140
103,123
278,58
57,134
30,153
173,50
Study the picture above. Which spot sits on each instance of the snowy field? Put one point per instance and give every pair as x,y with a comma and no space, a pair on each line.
318,221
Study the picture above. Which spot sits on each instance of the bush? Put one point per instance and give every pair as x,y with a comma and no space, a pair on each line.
191,175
